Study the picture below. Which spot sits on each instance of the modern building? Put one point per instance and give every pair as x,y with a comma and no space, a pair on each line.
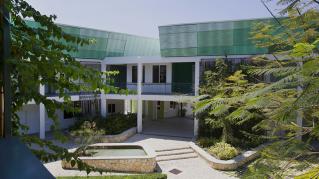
165,74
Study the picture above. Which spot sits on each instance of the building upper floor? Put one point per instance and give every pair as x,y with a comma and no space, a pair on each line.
169,66
158,76
222,38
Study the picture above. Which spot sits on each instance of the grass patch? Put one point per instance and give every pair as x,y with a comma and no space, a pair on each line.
146,176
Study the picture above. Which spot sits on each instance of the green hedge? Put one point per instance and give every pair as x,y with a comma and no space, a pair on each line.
146,176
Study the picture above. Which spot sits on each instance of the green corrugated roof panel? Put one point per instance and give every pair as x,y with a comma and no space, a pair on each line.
178,29
135,46
181,52
213,39
179,40
109,44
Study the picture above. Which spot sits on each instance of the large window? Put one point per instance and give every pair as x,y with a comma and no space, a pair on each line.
159,74
111,108
134,74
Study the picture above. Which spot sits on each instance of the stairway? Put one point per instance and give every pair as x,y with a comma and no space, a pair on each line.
176,153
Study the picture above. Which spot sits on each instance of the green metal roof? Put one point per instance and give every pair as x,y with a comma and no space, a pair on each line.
109,44
209,39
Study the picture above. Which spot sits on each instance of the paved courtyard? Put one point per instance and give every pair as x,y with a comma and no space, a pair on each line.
175,127
190,168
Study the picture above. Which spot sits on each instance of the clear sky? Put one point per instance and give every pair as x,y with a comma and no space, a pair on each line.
142,17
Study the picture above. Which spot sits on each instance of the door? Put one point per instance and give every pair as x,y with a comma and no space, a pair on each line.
159,110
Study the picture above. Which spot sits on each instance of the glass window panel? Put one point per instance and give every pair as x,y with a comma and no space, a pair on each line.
155,74
162,74
134,74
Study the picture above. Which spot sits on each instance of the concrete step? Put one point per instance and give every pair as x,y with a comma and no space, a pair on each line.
174,152
171,149
176,157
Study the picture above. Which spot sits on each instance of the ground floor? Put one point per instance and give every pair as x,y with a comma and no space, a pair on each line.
170,118
156,115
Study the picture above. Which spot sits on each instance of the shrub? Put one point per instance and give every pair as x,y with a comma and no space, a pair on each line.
206,142
113,124
223,151
117,123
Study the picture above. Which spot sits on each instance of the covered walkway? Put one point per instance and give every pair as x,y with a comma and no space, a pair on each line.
174,127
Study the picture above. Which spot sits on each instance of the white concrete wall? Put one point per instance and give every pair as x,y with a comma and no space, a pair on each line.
170,112
29,115
189,109
64,123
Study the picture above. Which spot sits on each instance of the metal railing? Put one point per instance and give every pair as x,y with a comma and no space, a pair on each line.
160,88
50,92
147,88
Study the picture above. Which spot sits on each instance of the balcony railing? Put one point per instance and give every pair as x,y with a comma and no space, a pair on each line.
160,88
50,92
147,88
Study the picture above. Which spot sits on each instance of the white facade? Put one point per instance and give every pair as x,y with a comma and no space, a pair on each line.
36,118
155,92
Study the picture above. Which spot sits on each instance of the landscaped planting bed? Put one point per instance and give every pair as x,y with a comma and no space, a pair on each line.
111,125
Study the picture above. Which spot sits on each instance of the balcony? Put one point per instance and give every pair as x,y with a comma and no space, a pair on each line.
51,92
160,88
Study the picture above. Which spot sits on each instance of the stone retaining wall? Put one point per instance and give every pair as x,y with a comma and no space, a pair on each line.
135,164
231,164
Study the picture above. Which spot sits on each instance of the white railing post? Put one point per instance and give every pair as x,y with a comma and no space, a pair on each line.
42,114
139,94
103,96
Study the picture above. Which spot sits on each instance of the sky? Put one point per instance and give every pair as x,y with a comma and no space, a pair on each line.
142,17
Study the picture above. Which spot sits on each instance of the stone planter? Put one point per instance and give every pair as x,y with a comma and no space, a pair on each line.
135,164
231,164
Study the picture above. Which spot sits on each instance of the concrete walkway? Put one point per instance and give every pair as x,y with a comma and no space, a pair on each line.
191,168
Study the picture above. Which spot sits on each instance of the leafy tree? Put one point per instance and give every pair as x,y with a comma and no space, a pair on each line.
41,56
294,68
227,108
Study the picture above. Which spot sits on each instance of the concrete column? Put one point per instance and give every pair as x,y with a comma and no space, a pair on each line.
196,85
139,100
103,96
103,106
127,106
195,126
42,114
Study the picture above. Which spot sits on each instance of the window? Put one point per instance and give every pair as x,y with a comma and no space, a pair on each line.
111,108
172,104
76,111
159,74
134,74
